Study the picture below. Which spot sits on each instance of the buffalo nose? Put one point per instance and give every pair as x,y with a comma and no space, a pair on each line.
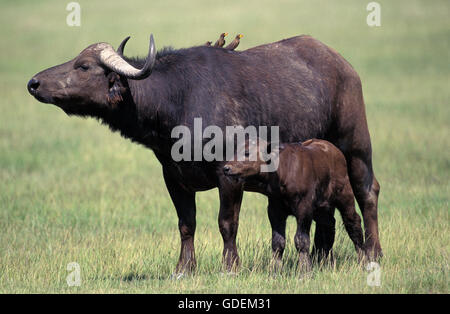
33,85
226,169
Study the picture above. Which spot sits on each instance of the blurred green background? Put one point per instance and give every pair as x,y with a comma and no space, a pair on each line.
72,191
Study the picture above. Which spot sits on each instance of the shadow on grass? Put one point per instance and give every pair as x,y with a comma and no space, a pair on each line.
136,276
260,264
289,268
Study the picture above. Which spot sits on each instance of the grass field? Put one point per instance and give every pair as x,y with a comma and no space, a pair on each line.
72,191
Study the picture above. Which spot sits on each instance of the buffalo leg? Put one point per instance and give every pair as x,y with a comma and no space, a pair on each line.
366,189
353,139
277,218
346,205
230,205
184,202
325,233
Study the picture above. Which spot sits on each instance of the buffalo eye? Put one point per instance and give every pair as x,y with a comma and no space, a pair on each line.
84,67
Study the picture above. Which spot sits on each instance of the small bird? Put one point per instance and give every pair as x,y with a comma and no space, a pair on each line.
233,45
221,41
208,43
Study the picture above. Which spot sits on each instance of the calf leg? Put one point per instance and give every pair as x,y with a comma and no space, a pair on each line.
277,217
230,205
325,233
184,202
302,240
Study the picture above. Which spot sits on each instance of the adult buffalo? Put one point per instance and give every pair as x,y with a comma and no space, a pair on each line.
298,84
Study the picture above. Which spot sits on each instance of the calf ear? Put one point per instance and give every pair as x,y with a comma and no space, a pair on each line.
116,89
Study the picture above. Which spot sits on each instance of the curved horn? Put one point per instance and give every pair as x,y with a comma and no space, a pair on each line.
110,58
122,46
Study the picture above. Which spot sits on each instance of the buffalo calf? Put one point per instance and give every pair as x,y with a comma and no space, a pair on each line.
310,182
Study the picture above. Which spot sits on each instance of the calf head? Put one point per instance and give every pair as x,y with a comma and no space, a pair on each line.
251,159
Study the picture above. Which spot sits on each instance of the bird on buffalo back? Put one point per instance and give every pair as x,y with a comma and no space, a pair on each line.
221,41
233,45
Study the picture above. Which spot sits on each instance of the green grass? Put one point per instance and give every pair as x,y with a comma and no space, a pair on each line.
72,191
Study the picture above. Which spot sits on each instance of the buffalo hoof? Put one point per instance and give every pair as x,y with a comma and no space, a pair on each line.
177,276
372,255
304,264
321,257
276,266
186,267
228,273
373,251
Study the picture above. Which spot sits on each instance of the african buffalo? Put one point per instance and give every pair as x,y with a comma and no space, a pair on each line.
298,84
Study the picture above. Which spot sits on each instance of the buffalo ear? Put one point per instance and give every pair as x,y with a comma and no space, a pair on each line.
115,89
